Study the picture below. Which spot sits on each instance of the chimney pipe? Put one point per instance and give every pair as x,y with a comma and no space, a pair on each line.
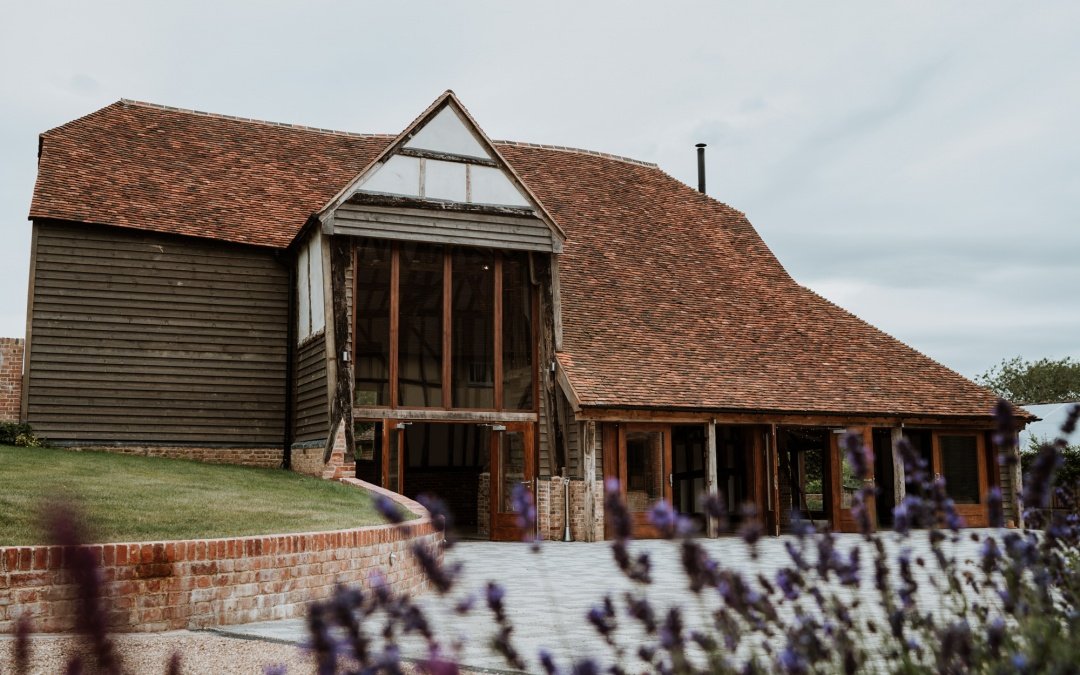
700,167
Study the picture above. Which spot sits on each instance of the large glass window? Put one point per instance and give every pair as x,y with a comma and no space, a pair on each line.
373,323
517,340
420,328
472,342
443,327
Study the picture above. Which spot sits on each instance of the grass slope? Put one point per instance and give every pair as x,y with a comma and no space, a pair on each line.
129,498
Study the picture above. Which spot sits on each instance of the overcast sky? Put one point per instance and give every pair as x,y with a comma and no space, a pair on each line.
916,163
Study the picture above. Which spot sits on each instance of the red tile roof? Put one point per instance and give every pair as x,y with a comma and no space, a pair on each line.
167,170
670,299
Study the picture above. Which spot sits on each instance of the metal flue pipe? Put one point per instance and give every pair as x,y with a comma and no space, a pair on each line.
700,167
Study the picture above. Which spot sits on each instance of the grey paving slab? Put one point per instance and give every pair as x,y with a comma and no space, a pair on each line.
549,593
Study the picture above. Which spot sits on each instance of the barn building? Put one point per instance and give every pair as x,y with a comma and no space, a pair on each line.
438,312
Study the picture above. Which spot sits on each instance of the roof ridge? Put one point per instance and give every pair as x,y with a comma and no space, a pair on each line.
580,151
337,132
252,120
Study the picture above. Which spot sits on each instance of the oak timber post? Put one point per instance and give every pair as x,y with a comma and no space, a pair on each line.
588,470
899,480
711,487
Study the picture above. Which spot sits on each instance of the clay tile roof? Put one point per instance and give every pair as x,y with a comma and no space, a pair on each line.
670,299
179,171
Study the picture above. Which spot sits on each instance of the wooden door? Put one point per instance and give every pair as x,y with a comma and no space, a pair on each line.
644,471
393,459
845,485
512,463
960,458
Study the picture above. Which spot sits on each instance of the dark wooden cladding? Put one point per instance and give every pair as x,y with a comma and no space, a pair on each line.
312,411
154,339
519,233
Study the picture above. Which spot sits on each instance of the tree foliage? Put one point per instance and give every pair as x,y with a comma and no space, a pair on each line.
1030,382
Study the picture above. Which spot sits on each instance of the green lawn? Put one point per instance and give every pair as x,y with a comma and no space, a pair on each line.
127,498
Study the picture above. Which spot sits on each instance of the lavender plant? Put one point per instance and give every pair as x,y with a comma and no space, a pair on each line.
927,597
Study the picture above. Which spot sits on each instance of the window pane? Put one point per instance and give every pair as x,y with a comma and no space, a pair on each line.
420,326
511,468
644,469
372,308
517,337
960,467
315,284
473,339
303,304
368,437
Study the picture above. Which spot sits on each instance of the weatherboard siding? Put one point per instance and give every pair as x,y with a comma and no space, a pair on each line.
155,339
518,233
312,402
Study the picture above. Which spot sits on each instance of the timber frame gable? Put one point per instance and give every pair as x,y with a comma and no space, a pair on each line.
443,180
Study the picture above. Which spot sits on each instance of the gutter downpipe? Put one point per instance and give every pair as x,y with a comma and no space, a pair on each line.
566,510
290,380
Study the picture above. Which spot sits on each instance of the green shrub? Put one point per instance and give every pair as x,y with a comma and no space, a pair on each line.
14,433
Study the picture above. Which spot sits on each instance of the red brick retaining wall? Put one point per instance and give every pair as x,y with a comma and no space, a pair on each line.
11,367
169,585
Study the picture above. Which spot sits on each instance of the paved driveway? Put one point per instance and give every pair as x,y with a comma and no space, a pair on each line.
549,593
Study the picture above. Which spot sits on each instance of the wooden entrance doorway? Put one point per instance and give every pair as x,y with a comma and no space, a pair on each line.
472,467
960,458
512,464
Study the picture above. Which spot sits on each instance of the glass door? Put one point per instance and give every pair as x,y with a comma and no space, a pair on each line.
394,458
512,464
958,458
645,472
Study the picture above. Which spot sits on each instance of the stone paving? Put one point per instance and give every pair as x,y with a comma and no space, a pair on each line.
549,593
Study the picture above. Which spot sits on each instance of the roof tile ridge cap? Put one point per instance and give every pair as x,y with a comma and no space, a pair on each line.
250,120
579,151
892,337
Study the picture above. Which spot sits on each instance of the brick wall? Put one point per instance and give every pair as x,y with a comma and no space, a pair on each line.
170,585
260,457
551,509
11,371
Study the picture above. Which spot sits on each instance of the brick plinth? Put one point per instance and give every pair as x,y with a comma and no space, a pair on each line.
551,509
307,459
170,585
11,371
260,457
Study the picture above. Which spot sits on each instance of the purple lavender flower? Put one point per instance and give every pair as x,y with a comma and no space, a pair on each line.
64,528
671,636
465,605
615,511
547,662
715,507
441,518
525,506
638,607
22,643
389,510
697,565
859,456
997,513
1005,436
585,667
789,581
670,524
